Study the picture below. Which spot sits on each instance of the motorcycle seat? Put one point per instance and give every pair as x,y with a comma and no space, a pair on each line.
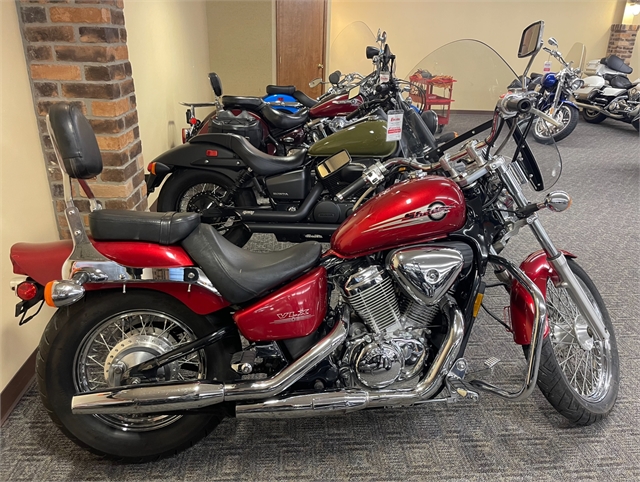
304,99
249,103
261,163
618,81
160,228
616,63
280,89
284,120
241,275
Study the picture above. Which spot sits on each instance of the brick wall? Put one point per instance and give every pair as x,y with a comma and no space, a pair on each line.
76,51
621,41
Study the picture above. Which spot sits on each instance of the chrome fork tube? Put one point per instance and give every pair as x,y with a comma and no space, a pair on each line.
559,262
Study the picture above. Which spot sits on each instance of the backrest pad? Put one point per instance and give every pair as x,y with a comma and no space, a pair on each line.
75,140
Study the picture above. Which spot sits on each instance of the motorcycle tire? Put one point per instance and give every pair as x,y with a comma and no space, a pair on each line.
62,370
187,182
571,112
636,124
563,378
593,116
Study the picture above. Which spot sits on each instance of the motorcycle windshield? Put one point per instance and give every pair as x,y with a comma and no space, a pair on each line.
462,82
347,52
577,56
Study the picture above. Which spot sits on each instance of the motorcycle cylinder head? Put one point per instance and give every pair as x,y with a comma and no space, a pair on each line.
370,292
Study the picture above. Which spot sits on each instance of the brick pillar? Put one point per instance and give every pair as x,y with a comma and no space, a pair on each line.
622,40
76,51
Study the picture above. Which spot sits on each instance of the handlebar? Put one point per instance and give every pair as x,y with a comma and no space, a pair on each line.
513,104
375,174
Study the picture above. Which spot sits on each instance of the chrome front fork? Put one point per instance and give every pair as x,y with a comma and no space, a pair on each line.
555,257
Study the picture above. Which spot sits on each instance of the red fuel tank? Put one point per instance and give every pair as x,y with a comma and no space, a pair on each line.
293,311
409,212
335,106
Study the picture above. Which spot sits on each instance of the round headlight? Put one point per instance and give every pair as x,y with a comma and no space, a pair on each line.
577,84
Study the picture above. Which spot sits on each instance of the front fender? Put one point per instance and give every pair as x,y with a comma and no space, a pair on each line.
537,268
568,102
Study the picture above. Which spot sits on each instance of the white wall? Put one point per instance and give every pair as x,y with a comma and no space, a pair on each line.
169,53
242,44
26,210
417,27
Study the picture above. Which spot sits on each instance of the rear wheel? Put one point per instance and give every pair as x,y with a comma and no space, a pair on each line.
196,191
593,116
579,374
86,347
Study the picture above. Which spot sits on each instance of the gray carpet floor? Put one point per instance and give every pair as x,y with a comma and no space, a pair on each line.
489,440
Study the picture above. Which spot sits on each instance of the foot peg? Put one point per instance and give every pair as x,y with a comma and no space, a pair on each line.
458,390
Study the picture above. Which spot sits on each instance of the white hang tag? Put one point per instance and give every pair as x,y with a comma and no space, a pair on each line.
547,66
384,77
394,125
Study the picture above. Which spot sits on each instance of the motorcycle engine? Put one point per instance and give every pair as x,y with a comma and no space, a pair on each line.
397,304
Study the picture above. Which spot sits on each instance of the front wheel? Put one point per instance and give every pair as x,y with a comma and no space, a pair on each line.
579,374
546,133
86,347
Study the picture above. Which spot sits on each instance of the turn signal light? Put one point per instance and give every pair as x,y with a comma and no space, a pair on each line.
152,167
26,290
47,294
62,293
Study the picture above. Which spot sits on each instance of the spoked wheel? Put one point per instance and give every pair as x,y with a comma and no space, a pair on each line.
579,373
201,192
544,132
90,345
593,116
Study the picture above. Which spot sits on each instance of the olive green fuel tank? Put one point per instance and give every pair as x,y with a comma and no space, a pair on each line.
365,139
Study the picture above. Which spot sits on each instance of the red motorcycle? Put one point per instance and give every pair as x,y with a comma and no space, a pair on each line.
144,355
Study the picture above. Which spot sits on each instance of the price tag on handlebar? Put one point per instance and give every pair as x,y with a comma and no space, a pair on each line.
384,77
394,125
547,66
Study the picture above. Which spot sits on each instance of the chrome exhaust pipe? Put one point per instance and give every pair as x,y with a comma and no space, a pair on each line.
351,400
599,110
166,397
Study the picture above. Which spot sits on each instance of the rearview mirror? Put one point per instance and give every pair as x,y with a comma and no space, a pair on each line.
531,41
315,82
553,42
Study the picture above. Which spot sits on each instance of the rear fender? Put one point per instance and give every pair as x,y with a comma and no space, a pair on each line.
199,154
537,268
44,262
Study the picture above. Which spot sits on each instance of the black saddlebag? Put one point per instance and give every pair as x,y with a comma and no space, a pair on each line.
242,124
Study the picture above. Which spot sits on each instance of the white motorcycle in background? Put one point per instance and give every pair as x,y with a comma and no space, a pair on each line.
608,92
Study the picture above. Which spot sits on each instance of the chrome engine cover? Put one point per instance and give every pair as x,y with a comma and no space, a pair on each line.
425,273
379,364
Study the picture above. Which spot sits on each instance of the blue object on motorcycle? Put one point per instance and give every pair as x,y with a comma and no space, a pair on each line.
274,101
549,80
568,102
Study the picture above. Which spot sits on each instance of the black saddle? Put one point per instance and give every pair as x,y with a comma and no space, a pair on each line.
240,275
277,118
261,163
284,120
280,89
618,81
616,63
160,228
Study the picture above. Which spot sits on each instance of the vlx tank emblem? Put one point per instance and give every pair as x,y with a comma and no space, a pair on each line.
291,316
436,211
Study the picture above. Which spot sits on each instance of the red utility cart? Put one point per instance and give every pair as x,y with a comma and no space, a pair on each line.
441,104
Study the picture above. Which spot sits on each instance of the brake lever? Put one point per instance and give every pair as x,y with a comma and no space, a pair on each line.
545,117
